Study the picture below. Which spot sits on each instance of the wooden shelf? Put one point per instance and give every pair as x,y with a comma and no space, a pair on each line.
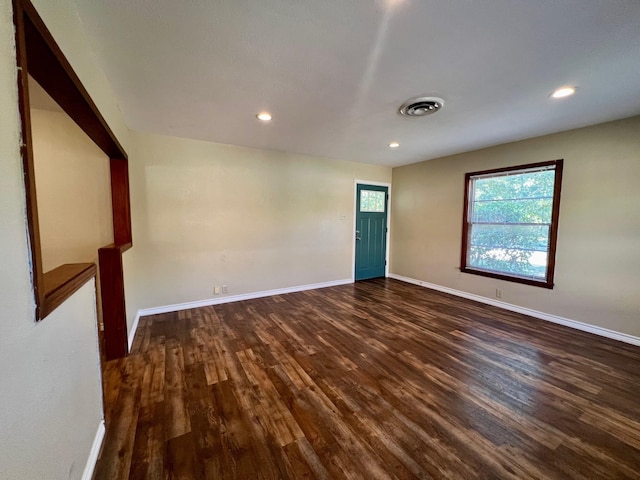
63,281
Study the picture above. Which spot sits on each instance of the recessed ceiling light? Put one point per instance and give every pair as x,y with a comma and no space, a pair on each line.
264,116
394,145
563,92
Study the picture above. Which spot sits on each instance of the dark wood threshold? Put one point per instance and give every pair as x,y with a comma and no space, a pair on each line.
63,281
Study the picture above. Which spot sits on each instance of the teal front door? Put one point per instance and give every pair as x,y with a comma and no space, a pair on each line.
371,231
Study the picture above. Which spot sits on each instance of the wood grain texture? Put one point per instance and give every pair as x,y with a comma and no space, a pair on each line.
26,150
116,343
63,281
375,380
120,202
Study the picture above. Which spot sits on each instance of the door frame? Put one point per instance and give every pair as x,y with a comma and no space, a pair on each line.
357,182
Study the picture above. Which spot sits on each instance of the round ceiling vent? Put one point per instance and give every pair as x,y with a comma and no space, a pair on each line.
421,106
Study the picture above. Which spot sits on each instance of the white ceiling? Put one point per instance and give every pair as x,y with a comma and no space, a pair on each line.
333,73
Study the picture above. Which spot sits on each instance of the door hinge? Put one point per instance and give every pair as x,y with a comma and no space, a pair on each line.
385,263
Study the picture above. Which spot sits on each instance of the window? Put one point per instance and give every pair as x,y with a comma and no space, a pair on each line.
511,223
371,201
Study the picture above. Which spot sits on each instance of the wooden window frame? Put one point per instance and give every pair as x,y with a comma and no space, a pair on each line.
547,282
38,55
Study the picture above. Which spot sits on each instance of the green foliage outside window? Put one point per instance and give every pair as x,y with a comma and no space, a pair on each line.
371,201
510,223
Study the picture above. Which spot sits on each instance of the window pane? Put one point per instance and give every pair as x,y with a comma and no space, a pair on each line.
525,237
519,185
371,201
513,249
522,263
527,210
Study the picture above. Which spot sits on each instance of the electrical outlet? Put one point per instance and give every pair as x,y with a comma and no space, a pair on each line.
498,293
216,290
225,288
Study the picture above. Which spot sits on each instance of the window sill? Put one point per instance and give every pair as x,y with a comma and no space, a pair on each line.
508,278
62,282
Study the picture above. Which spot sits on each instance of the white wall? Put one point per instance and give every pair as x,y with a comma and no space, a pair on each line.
69,167
206,214
597,278
51,392
50,395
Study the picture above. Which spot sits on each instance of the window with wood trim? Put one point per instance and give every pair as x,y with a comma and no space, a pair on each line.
510,223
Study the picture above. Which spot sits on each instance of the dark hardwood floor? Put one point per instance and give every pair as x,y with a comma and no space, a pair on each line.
379,379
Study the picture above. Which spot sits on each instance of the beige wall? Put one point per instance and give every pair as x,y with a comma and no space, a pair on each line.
598,255
50,403
51,391
73,189
206,214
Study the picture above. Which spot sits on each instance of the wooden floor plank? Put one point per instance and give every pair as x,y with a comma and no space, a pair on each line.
116,457
175,392
379,379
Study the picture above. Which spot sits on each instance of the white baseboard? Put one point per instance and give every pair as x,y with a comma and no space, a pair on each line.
132,333
232,298
567,322
94,453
